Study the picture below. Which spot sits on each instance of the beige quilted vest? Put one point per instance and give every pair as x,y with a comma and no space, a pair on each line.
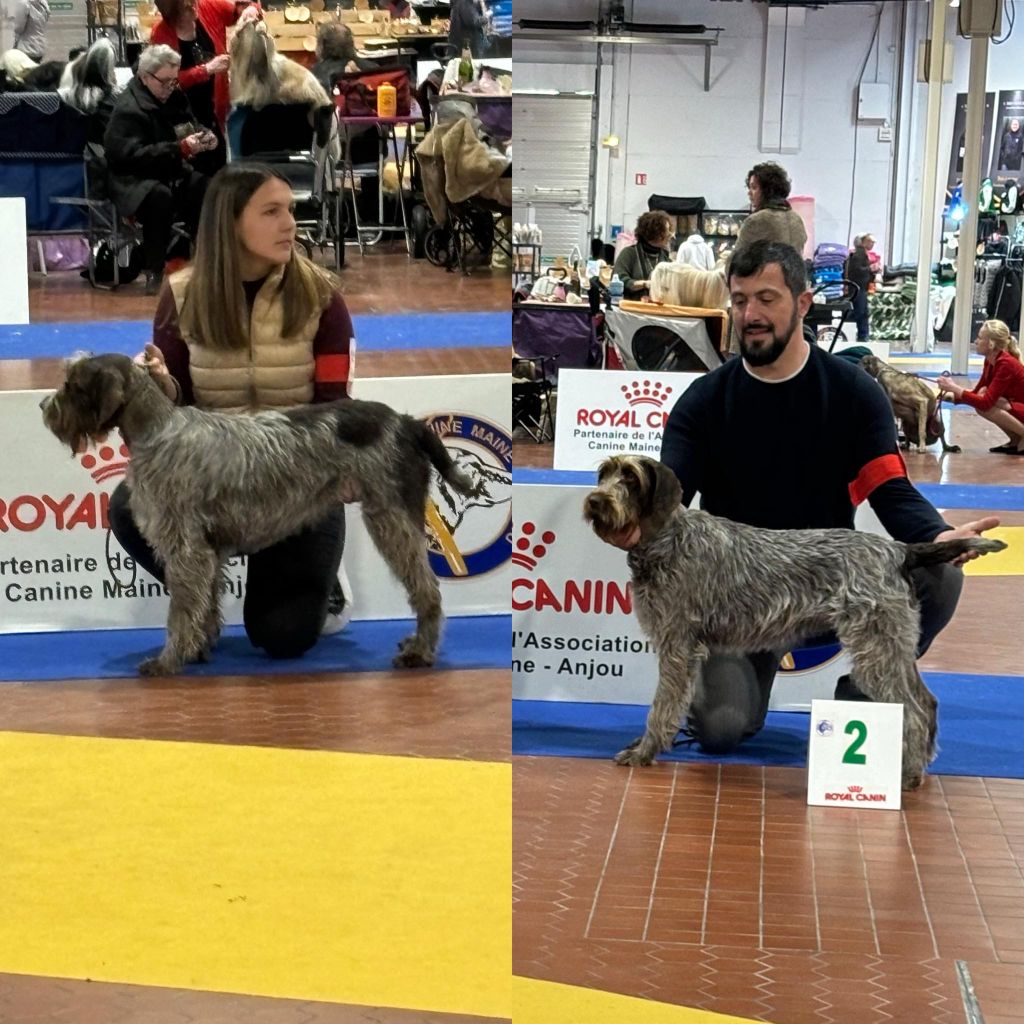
271,373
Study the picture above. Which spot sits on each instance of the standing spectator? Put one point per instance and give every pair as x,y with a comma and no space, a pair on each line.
635,263
773,219
999,395
149,142
467,27
197,30
30,18
858,270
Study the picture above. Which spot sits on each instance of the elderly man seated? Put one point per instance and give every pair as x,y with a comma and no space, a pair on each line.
149,141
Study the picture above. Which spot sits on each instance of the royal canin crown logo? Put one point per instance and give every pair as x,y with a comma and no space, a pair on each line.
530,547
105,464
646,393
855,789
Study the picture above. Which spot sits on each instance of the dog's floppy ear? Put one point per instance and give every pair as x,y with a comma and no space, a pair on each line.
661,494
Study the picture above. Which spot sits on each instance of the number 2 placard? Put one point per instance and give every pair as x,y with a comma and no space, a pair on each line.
855,757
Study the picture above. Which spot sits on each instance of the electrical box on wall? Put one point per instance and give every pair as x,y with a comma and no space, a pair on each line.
873,102
983,18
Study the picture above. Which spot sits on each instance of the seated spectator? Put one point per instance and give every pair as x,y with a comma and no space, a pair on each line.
149,141
90,86
999,395
636,262
336,55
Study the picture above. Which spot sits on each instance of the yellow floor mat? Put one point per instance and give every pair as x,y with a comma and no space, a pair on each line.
349,878
544,1002
1003,563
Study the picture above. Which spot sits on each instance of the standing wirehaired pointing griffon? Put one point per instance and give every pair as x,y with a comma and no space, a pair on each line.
703,583
207,485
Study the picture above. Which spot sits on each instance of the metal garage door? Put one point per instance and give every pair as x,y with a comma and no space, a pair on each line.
551,169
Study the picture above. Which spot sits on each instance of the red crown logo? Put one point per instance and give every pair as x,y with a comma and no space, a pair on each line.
105,463
855,789
530,547
646,393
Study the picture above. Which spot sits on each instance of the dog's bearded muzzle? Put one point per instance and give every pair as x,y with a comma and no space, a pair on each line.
609,511
56,419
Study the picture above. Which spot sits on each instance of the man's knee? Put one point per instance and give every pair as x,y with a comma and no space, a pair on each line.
159,202
729,704
283,632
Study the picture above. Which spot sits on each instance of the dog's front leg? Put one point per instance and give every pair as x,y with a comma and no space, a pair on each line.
191,575
677,674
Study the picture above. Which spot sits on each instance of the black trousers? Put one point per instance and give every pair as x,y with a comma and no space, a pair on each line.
861,315
287,584
732,693
163,205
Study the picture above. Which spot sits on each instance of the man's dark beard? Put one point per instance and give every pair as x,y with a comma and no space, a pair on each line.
767,356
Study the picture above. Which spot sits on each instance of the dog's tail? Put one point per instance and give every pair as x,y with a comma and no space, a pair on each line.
442,461
948,551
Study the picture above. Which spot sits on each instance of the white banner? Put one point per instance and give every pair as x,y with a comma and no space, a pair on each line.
574,634
14,279
60,569
608,412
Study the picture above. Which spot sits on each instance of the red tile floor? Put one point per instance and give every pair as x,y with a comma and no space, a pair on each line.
716,887
433,714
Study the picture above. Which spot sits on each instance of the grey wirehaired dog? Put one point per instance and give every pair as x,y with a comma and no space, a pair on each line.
913,403
207,485
701,582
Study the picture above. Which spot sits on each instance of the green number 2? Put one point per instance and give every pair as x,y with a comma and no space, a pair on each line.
851,756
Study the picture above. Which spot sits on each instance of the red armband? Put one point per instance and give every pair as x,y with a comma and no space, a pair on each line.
875,473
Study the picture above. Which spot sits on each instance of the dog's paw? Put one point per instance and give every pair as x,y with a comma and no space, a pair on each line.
409,658
636,755
921,450
152,667
913,780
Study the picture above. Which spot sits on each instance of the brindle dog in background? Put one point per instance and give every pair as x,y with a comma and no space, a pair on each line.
913,403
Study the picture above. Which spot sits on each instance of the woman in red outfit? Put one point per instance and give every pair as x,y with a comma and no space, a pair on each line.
197,29
999,395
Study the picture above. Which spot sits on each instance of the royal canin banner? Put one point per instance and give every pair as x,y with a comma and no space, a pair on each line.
611,412
574,632
62,569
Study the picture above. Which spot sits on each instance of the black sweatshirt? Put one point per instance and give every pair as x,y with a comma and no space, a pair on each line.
795,454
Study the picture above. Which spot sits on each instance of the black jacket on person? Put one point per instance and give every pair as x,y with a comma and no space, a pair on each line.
1004,298
466,27
1011,149
858,267
141,144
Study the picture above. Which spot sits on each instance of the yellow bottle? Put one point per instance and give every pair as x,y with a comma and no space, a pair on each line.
387,100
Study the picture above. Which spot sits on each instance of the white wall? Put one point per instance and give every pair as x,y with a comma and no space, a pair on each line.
689,142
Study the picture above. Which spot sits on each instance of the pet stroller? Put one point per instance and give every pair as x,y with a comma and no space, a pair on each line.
467,182
667,338
825,320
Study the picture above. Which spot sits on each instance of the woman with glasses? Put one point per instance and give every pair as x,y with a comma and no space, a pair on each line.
150,142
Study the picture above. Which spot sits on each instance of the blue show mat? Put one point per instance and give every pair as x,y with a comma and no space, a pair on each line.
480,641
984,496
373,334
981,730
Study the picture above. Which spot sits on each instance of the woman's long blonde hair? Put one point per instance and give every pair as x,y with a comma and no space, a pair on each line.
1001,338
214,312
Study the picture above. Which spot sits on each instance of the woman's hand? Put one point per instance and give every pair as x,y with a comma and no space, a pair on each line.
151,359
250,13
219,63
949,386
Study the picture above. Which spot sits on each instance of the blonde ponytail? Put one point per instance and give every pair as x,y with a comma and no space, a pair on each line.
1001,338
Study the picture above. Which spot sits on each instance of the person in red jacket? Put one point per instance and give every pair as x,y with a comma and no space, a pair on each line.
999,394
197,29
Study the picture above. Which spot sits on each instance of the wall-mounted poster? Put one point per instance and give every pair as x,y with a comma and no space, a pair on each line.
956,159
1008,152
